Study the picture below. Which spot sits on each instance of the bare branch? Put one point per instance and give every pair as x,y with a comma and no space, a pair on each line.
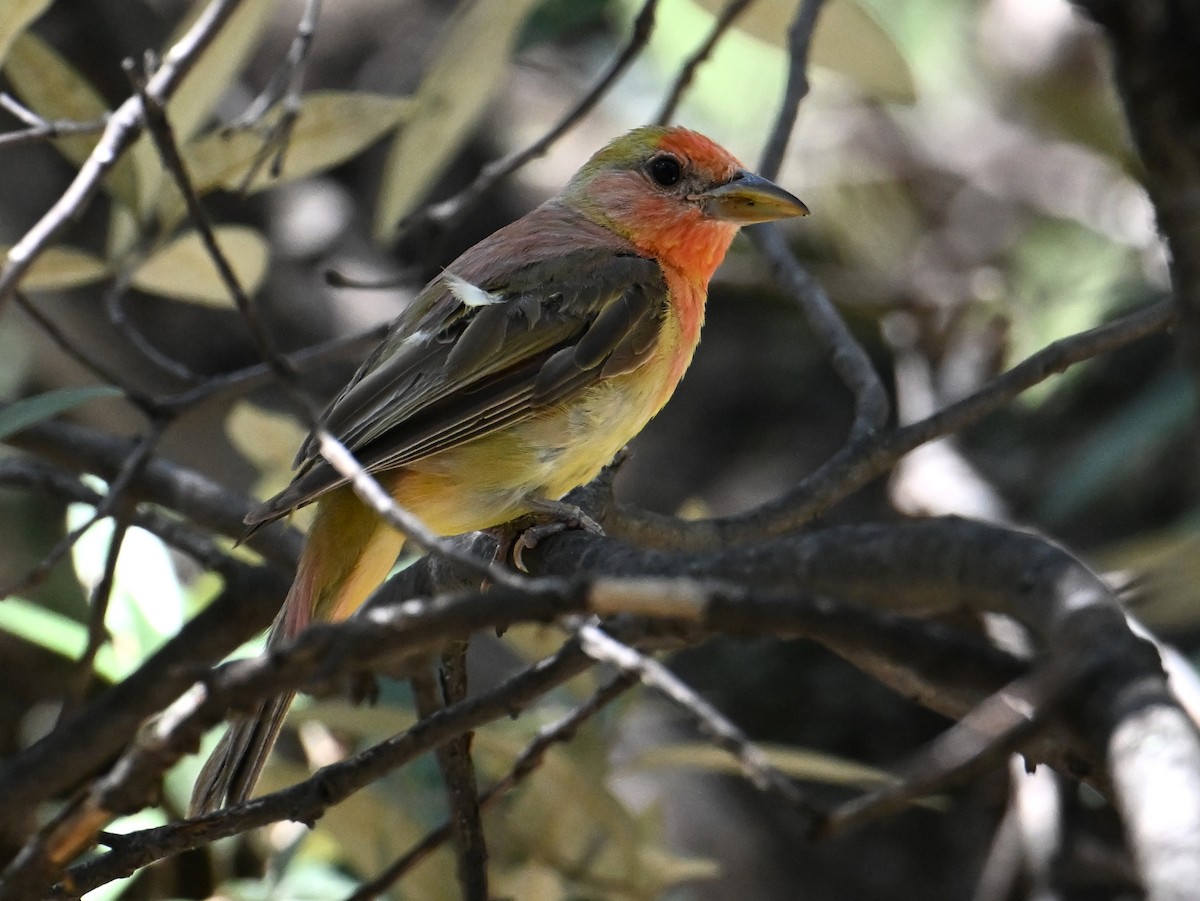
284,85
854,466
41,129
117,494
82,355
164,139
450,212
191,493
458,771
754,763
307,800
75,749
799,42
978,742
527,762
116,505
724,21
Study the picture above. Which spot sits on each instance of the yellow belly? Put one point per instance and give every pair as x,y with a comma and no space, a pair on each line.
485,482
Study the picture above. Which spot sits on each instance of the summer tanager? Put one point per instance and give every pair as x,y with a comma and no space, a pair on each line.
513,377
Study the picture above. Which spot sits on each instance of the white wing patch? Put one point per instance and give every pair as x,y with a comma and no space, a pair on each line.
470,295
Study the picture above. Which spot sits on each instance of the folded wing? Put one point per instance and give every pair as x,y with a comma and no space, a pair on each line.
468,359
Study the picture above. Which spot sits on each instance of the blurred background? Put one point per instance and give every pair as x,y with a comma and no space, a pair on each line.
974,198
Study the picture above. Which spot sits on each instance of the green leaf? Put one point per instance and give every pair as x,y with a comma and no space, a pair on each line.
56,633
332,127
184,270
52,88
62,267
468,69
214,71
15,16
27,411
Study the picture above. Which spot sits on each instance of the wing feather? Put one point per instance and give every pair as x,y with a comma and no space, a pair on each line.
451,371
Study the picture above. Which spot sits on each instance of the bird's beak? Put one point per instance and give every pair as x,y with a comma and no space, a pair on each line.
748,198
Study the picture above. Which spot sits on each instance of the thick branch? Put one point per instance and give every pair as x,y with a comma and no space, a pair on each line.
1155,47
196,496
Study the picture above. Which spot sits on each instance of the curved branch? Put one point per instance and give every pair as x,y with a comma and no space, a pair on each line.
854,465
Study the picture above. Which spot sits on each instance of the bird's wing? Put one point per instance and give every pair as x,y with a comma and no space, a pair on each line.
466,360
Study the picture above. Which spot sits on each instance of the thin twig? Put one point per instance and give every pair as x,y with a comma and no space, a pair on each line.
80,354
117,501
41,129
754,763
799,42
851,362
725,19
118,315
251,376
982,738
286,84
116,494
164,140
458,773
123,128
453,210
193,494
526,764
371,493
97,632
36,474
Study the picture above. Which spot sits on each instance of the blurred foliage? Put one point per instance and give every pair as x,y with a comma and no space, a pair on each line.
970,180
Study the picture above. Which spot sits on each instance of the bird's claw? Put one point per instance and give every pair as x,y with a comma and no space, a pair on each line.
562,516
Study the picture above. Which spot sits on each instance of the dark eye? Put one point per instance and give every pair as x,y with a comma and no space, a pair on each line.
665,170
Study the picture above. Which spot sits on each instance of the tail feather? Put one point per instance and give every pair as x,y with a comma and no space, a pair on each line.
231,772
348,554
233,768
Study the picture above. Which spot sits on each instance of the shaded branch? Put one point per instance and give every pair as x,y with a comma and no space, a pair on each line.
194,495
527,762
799,42
307,800
450,212
78,747
751,759
1154,53
853,466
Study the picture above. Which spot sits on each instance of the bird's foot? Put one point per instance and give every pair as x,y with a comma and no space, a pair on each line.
559,517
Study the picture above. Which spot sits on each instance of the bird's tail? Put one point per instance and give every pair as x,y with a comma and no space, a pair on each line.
348,554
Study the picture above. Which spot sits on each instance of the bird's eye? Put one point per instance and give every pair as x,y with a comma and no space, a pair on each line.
665,170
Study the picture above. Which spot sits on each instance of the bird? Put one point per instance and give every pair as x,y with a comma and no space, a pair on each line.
514,376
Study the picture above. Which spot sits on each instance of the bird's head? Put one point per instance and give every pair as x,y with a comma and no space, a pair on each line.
676,195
